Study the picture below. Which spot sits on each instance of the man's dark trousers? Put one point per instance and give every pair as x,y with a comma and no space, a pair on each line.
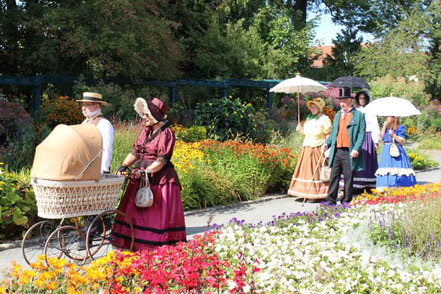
340,164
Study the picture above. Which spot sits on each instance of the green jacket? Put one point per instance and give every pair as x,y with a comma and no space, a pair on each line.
356,132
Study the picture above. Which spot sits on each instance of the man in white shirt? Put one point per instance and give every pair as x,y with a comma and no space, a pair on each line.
91,108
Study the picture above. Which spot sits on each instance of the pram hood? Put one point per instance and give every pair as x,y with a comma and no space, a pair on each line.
66,152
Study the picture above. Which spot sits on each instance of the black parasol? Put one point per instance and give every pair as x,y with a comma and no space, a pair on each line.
350,82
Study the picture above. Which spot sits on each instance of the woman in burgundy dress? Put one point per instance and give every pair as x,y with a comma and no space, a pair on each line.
163,223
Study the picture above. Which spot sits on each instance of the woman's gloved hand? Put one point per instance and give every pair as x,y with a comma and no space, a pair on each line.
122,169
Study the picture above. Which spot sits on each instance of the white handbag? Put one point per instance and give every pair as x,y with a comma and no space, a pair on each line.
325,172
394,151
144,196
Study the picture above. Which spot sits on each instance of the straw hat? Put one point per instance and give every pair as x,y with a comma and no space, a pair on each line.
93,97
319,102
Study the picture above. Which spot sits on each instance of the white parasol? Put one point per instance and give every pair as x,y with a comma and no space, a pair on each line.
298,85
391,106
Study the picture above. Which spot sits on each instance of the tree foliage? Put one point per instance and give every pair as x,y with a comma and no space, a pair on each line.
376,17
97,38
346,46
402,52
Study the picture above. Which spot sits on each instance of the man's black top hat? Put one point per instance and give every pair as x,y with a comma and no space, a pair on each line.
345,92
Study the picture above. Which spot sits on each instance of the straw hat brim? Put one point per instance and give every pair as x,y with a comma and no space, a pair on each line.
320,107
93,101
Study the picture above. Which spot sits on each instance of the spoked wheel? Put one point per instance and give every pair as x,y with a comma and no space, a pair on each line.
32,245
66,240
100,233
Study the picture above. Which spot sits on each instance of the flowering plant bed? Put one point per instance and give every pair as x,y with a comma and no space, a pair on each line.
337,249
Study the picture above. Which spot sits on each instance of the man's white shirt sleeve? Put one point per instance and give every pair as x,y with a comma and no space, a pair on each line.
106,130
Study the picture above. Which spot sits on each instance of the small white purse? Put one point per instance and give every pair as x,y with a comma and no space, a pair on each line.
144,196
394,151
325,172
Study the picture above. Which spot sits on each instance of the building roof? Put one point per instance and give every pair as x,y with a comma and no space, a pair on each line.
325,51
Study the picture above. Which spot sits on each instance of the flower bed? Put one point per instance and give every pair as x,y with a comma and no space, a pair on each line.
218,173
332,250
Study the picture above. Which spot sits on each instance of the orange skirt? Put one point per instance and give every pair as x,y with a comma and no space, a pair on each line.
303,184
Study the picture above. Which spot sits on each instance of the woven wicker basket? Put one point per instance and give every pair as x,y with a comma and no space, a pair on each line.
62,199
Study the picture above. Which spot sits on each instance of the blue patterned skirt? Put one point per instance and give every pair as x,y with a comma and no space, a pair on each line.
394,171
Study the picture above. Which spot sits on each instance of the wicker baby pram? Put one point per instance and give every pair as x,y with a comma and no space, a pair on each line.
67,182
64,199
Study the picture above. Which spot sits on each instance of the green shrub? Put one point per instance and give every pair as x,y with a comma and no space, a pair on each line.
120,98
19,136
436,123
227,118
123,140
191,134
17,203
253,168
401,87
202,187
420,160
20,152
430,142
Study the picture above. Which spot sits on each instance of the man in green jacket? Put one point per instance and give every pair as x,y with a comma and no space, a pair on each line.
345,141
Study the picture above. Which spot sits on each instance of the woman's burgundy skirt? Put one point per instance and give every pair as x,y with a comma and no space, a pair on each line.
161,224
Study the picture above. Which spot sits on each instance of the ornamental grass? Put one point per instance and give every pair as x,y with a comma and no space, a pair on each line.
412,227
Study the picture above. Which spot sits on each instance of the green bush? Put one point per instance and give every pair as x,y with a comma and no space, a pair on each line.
123,140
401,87
436,123
420,160
17,203
203,187
191,134
430,142
19,136
120,98
227,118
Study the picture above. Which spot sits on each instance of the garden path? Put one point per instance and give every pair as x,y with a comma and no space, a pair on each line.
253,212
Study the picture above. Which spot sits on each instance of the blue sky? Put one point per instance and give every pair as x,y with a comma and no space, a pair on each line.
326,31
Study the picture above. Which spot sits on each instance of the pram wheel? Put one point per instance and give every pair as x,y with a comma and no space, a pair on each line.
66,240
32,245
100,235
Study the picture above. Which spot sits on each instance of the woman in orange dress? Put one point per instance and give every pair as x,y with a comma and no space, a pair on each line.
305,183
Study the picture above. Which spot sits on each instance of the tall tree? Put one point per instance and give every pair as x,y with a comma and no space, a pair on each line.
346,46
376,17
98,38
402,52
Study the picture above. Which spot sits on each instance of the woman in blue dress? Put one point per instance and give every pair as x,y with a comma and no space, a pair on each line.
394,171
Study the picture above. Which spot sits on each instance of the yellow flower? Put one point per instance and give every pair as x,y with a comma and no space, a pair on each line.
51,286
26,277
39,283
16,271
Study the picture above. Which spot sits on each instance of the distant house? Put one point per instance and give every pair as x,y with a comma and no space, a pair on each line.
326,50
318,63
